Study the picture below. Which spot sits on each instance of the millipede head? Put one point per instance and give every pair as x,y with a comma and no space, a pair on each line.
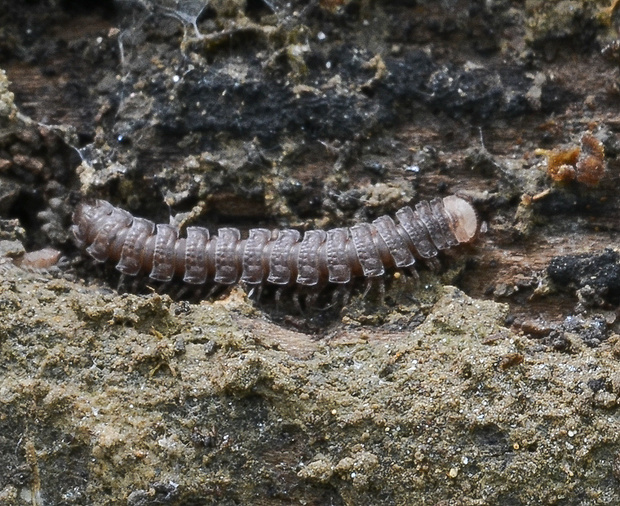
464,218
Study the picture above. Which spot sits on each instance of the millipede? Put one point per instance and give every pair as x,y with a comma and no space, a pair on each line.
280,257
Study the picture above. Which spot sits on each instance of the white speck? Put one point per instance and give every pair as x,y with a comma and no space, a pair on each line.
321,36
167,443
412,168
353,475
176,79
99,40
328,65
571,433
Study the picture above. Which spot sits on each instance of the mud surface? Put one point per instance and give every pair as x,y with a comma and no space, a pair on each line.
490,381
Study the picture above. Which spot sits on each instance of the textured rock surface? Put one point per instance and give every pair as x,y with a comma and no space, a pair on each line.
148,401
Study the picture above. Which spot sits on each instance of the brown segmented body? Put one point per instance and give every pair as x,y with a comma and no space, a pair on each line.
279,257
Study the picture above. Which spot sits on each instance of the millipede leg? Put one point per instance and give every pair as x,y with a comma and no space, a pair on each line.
297,302
255,292
378,283
381,291
340,296
346,293
168,287
215,290
259,292
278,297
135,285
312,299
433,264
410,271
368,284
182,291
122,280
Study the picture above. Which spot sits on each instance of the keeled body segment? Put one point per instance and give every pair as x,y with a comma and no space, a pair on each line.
279,257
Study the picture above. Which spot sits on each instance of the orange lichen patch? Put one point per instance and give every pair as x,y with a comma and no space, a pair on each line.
584,164
561,173
560,163
590,166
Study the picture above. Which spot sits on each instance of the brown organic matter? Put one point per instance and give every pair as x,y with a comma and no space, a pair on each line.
584,163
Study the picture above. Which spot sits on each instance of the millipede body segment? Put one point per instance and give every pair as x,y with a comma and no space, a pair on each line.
277,257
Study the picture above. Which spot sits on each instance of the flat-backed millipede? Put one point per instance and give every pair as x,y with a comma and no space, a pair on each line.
275,257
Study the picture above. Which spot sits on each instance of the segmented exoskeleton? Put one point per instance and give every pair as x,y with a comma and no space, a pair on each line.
277,257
